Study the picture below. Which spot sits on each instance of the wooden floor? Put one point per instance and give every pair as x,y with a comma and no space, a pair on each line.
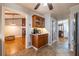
13,46
0,47
58,48
16,48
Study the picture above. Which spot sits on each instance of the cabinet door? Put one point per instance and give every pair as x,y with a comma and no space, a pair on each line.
45,38
40,41
23,29
38,21
42,22
35,41
23,22
33,21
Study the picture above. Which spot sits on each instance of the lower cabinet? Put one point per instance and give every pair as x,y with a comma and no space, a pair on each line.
39,40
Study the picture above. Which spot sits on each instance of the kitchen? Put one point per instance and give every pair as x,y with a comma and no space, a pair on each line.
39,34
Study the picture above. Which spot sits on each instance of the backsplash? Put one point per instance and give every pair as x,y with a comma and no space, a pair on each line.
39,30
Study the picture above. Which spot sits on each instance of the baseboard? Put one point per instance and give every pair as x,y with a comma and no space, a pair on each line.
39,48
35,48
28,47
49,44
54,41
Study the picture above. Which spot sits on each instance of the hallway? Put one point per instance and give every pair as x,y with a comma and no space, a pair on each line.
62,48
59,48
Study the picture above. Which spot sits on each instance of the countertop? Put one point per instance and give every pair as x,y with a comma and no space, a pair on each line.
39,33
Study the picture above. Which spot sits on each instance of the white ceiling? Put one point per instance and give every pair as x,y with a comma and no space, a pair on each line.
60,11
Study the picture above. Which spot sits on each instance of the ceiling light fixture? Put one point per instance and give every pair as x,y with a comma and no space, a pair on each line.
44,4
50,6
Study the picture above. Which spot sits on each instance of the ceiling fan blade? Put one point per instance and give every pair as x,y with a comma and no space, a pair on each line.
36,7
50,6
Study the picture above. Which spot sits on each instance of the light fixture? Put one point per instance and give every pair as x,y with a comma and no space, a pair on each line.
50,6
44,4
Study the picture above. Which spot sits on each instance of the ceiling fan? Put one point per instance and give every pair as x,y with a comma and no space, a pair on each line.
50,6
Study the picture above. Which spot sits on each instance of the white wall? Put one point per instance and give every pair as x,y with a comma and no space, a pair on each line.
48,22
0,19
29,30
74,9
54,30
48,26
57,33
71,30
66,28
1,22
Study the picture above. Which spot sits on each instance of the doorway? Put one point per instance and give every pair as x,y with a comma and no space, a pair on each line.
63,42
63,29
53,31
15,32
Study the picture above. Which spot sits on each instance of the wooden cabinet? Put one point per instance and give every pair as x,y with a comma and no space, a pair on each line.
23,22
38,21
39,40
23,27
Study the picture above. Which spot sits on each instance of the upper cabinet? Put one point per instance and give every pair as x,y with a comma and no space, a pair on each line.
38,21
23,22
